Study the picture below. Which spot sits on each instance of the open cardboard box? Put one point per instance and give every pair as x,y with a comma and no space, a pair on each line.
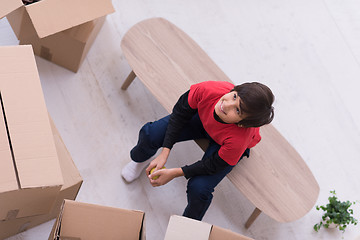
30,175
70,189
83,221
180,228
60,31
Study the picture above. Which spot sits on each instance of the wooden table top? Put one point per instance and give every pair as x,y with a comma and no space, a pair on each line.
275,178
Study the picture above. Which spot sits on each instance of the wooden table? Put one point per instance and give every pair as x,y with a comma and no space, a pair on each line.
167,61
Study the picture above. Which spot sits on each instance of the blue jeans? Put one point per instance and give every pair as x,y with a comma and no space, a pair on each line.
199,188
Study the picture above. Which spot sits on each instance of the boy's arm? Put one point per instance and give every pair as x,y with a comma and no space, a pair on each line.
181,114
207,166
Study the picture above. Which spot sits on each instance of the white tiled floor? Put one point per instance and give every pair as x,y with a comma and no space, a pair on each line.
307,51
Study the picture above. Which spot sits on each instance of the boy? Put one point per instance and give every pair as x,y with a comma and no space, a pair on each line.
229,116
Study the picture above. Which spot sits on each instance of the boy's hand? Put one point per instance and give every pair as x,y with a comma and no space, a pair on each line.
164,176
159,161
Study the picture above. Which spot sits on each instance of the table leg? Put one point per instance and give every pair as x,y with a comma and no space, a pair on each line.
128,80
252,218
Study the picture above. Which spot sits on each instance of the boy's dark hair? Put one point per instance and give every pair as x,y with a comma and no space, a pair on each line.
256,104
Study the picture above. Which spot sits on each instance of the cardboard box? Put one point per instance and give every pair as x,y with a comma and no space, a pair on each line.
92,222
60,31
180,228
8,6
70,189
30,175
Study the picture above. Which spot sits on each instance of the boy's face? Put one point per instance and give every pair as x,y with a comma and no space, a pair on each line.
228,108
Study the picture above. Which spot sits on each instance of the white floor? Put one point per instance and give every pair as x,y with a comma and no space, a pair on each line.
307,51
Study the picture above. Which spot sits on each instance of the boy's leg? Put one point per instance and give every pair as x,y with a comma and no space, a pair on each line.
200,188
199,193
151,137
152,134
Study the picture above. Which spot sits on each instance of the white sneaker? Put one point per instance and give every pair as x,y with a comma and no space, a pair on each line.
132,170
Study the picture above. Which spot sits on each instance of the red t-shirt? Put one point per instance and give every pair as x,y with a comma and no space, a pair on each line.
233,139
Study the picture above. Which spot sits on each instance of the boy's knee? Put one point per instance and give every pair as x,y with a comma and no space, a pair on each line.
145,131
199,190
151,135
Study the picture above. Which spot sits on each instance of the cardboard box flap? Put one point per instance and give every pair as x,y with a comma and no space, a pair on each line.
218,233
28,124
7,6
104,222
8,180
52,16
180,228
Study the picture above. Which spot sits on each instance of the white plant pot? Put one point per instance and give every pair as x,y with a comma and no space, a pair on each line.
331,225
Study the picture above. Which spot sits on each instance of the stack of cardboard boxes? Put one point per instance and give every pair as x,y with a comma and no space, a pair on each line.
69,190
35,166
59,31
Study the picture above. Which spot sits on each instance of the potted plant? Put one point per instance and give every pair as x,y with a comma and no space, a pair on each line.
336,213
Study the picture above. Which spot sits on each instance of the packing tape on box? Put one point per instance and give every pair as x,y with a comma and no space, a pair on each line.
12,214
24,227
45,53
